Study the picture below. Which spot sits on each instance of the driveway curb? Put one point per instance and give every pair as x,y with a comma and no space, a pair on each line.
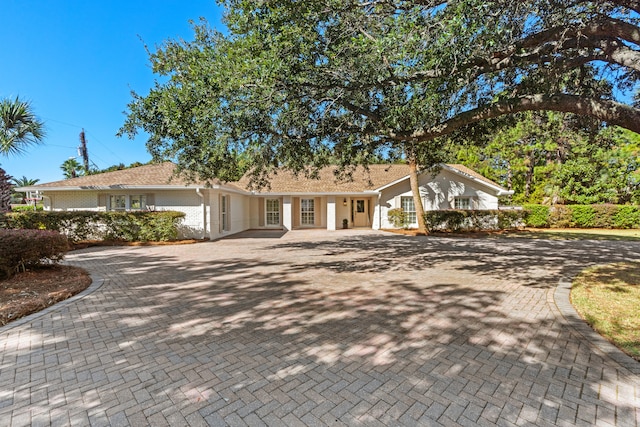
96,283
573,319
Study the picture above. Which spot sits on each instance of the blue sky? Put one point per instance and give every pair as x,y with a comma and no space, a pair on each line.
76,62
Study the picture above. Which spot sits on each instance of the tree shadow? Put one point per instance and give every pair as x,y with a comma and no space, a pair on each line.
338,330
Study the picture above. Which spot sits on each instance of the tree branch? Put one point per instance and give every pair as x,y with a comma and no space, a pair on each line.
612,112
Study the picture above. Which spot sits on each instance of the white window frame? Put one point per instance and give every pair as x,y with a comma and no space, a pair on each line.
272,216
142,199
458,203
115,202
127,199
411,218
307,212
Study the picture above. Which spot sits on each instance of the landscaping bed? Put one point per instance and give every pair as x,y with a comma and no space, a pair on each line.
38,288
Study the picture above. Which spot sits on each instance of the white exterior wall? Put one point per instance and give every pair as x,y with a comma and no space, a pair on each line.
72,201
183,200
239,214
186,201
343,212
437,193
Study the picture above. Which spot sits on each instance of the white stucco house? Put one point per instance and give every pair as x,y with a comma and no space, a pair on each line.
218,209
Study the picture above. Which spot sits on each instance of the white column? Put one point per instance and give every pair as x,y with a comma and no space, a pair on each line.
331,213
287,214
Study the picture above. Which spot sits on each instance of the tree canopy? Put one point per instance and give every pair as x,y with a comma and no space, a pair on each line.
300,85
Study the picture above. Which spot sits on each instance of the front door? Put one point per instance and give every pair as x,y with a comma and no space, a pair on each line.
361,213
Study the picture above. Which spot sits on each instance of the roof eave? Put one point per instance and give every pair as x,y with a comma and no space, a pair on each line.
499,190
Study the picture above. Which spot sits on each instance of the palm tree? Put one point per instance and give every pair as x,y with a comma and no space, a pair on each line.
71,168
22,182
19,128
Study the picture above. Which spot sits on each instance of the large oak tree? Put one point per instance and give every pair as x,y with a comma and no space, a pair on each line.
301,84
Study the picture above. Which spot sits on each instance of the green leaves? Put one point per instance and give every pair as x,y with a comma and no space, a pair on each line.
19,127
301,84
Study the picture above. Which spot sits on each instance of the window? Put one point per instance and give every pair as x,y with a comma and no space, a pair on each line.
123,202
137,203
409,209
360,206
118,203
307,216
273,212
462,203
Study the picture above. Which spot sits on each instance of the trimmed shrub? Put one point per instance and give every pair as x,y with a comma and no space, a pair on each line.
536,216
628,216
90,225
604,215
464,219
26,208
583,216
560,216
20,249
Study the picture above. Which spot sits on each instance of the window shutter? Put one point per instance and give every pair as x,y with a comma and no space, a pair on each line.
317,212
397,202
296,212
261,207
219,213
102,202
151,201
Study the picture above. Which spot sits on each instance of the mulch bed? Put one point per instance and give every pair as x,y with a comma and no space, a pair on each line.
39,288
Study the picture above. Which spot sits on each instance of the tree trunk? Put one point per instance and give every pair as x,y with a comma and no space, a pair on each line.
5,191
415,189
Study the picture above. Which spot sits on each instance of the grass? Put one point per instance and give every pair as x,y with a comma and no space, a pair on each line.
628,235
608,299
581,234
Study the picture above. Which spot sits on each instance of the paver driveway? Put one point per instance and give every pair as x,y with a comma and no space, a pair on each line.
318,328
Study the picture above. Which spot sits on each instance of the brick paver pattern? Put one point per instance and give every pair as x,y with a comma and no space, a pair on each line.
320,328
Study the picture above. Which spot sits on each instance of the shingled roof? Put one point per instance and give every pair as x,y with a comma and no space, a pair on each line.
362,180
282,181
160,174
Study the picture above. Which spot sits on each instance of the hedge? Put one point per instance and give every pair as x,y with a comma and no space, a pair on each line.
465,219
90,225
20,249
582,216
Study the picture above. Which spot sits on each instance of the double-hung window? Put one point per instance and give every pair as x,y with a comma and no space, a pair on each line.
273,211
409,209
307,212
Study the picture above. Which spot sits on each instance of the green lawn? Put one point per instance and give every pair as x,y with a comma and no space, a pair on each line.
608,298
579,234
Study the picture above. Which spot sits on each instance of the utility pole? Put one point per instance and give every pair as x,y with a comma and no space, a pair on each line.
82,151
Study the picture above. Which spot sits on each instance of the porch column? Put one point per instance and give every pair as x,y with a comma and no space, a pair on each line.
331,213
287,215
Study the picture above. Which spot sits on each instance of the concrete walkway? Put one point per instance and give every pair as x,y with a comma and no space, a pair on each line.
322,328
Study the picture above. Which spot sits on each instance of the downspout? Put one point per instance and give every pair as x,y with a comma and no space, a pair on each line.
204,213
